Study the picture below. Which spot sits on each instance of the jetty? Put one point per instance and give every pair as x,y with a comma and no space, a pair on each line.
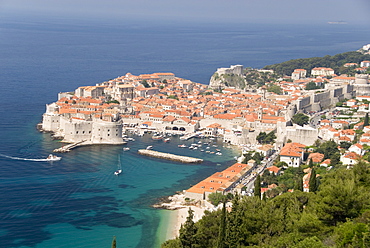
169,156
188,136
69,147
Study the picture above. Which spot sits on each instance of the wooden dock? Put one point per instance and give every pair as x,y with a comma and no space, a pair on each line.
169,156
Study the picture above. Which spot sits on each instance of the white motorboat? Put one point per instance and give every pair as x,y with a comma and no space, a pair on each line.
149,147
126,148
119,169
52,157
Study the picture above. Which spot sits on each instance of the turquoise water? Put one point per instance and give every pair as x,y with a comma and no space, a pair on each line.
78,202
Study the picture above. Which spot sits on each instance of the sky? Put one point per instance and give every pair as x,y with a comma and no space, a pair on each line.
212,11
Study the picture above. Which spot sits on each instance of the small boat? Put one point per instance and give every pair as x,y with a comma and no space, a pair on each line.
182,146
119,169
149,147
167,140
126,148
218,153
157,137
52,157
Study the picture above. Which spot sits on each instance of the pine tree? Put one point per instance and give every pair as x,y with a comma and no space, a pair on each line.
222,231
188,231
234,223
257,187
114,242
298,183
310,164
366,120
313,181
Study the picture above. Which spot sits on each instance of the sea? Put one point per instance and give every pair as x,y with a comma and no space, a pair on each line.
78,201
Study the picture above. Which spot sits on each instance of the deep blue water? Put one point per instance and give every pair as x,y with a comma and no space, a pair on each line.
78,202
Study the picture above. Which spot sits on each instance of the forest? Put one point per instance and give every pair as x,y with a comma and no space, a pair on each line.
336,214
335,62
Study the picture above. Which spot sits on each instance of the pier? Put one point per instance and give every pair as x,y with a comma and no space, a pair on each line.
69,147
169,156
188,136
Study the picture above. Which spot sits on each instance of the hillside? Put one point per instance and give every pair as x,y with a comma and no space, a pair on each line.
335,62
336,215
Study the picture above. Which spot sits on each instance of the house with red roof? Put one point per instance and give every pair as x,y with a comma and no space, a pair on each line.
349,158
292,154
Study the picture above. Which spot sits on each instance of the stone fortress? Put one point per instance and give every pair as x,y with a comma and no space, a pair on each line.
100,114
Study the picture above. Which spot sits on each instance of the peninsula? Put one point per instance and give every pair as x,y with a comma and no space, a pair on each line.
293,124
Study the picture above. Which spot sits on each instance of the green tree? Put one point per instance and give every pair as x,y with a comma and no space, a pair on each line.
257,187
216,198
312,86
351,234
114,243
345,145
172,243
300,119
313,181
222,232
275,89
298,183
366,120
341,197
310,164
188,231
145,83
312,242
329,149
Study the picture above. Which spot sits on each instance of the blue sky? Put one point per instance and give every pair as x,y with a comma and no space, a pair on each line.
238,11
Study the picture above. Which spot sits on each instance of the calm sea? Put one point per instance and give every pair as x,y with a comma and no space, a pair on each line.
78,202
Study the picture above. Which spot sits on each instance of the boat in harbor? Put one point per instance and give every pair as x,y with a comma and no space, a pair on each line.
167,140
149,147
157,137
119,169
182,146
126,148
52,157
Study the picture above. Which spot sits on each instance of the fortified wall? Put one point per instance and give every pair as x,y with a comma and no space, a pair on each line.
321,100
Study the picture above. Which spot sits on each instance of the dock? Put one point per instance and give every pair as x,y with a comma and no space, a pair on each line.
169,156
188,136
69,147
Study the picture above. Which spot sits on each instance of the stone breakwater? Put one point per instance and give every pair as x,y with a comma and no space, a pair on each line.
169,156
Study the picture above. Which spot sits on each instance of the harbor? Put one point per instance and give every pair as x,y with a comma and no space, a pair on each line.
169,156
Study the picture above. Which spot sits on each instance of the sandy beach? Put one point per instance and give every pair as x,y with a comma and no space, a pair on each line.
178,217
179,212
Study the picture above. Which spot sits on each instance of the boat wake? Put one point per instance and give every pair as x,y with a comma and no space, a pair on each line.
27,159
